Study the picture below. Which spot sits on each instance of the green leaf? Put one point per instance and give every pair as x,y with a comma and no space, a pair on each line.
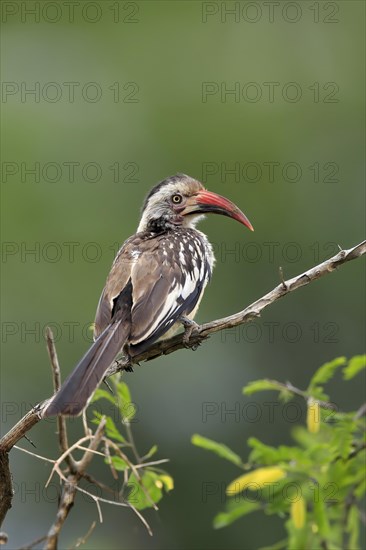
277,546
226,518
262,385
325,372
167,481
123,392
319,394
110,427
342,437
141,498
285,395
352,480
218,448
126,407
266,455
355,365
152,451
297,538
353,528
361,488
320,514
118,463
277,501
103,394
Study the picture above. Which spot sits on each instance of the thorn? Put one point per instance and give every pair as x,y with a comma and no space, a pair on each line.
284,286
108,386
30,441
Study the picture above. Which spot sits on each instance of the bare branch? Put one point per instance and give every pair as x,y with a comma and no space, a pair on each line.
34,543
6,488
54,359
201,332
82,540
70,486
21,428
34,454
66,503
94,444
61,421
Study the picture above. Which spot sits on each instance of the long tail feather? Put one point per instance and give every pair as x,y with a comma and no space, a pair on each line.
78,388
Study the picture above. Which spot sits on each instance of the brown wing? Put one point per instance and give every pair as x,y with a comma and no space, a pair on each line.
162,288
117,280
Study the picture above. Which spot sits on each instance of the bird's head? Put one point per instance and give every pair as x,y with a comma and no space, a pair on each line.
181,201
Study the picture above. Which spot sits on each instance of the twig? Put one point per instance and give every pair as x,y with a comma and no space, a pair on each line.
302,393
282,279
153,463
132,441
99,484
143,520
61,421
94,444
109,460
82,540
54,359
357,450
21,428
34,543
361,412
34,454
66,503
56,467
70,486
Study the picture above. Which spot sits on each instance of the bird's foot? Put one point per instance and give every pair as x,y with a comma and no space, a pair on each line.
122,364
190,327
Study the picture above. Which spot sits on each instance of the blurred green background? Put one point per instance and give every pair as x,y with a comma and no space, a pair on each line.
127,93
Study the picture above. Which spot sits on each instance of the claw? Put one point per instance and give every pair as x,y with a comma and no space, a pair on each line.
189,327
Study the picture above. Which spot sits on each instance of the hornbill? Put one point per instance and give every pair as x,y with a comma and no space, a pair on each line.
157,279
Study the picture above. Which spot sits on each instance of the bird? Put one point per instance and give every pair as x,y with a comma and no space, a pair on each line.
156,282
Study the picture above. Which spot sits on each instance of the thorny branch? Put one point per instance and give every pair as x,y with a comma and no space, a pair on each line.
199,333
202,332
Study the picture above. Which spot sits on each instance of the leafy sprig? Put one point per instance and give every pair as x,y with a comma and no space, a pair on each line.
318,483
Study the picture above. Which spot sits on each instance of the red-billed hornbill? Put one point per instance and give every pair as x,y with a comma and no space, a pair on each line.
157,278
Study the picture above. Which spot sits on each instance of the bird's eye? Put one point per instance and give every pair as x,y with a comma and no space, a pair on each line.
177,199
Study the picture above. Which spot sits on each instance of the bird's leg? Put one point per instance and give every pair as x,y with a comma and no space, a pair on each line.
121,365
189,327
121,358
